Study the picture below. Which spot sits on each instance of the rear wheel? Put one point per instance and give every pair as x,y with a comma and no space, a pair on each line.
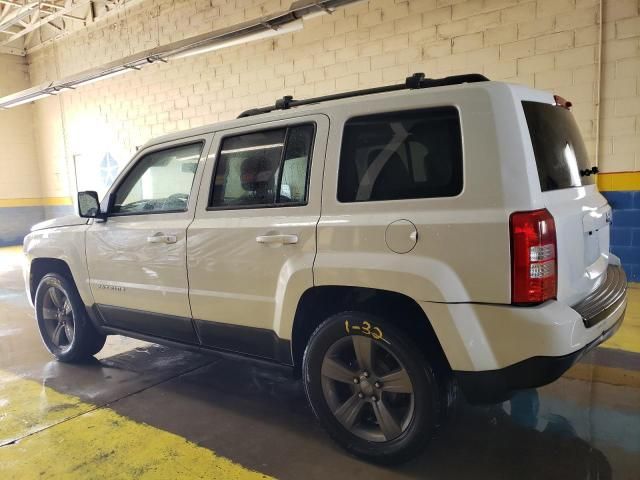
371,388
64,326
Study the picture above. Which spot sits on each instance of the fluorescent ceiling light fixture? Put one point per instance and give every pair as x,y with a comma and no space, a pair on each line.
319,13
22,13
103,77
280,23
293,26
27,100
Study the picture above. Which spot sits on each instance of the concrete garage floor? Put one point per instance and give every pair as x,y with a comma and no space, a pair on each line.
144,411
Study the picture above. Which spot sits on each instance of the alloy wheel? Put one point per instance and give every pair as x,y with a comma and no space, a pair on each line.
367,388
58,317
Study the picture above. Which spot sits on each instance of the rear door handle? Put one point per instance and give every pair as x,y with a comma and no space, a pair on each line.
277,239
162,238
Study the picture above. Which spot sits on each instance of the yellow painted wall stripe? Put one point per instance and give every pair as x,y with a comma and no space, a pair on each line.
11,251
611,182
35,202
62,437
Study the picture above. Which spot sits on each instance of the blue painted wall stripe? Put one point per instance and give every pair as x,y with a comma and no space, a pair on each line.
16,222
625,230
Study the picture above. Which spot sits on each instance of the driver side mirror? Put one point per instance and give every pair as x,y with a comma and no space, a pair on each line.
89,205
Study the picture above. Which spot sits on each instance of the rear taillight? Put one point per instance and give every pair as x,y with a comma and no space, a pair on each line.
534,271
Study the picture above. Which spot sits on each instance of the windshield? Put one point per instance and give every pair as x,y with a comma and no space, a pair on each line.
561,156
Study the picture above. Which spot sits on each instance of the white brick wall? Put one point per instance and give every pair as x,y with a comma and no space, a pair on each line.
620,122
19,177
549,44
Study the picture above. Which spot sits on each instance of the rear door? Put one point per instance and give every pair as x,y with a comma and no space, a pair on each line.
251,247
569,192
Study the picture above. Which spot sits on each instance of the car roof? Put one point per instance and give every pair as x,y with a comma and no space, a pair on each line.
325,107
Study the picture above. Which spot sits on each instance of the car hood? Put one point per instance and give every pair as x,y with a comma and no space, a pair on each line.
66,221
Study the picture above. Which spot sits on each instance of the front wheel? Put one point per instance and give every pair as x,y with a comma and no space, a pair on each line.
371,387
64,326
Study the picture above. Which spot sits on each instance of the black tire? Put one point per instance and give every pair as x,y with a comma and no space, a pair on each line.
361,438
63,315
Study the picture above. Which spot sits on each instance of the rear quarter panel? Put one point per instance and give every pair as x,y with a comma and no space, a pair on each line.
462,253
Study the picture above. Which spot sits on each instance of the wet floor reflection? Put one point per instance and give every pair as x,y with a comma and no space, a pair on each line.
238,408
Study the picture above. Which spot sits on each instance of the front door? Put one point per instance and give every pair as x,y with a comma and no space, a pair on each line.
252,244
137,258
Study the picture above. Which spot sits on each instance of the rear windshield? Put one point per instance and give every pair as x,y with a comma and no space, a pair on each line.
558,147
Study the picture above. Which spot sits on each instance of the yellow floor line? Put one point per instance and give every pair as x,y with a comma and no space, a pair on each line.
601,374
26,407
16,250
628,336
94,443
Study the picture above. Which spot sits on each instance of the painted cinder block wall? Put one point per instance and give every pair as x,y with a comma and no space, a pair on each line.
623,194
549,44
21,202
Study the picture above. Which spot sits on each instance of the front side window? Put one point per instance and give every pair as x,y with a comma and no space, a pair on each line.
263,169
159,182
403,155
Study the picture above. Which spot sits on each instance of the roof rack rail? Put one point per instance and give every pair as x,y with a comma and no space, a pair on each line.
415,81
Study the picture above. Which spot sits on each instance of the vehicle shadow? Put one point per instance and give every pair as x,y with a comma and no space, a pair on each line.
512,440
257,414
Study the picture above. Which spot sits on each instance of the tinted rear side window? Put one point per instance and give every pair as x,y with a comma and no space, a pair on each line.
558,147
416,154
263,169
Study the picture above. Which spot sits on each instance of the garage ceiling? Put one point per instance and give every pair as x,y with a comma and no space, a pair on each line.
25,24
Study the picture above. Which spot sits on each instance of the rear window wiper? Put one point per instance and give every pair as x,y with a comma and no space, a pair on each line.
589,171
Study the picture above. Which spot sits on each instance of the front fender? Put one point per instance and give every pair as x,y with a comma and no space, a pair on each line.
62,243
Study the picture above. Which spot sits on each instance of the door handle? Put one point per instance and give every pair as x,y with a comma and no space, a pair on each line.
162,238
277,239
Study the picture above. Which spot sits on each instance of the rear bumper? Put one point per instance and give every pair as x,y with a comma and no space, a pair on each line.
494,386
596,318
609,295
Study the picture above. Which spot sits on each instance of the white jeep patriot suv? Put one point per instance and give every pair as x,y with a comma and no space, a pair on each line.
388,244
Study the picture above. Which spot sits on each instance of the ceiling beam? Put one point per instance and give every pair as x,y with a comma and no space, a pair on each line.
13,3
5,11
17,15
92,16
27,39
13,51
54,26
52,5
70,7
